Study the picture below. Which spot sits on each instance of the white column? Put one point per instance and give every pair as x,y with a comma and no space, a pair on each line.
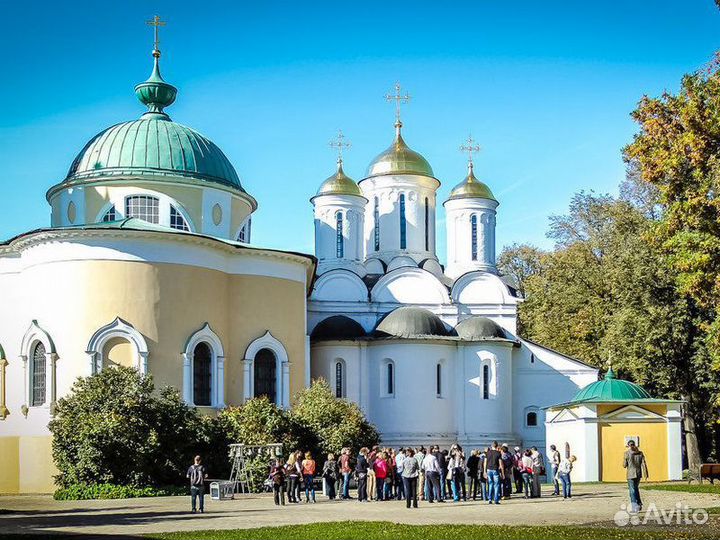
143,362
51,386
187,379
247,379
674,442
285,385
592,450
26,380
220,393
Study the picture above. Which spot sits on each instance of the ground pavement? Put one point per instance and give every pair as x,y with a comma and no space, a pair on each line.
591,504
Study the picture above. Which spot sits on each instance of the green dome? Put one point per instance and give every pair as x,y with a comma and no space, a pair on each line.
153,145
399,159
471,188
411,322
611,389
339,184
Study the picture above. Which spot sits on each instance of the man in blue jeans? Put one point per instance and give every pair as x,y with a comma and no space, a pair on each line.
197,475
634,462
494,471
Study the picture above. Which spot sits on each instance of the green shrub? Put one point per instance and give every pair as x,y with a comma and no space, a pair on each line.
77,492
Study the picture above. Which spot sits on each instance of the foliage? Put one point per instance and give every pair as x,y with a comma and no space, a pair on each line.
258,421
385,530
114,429
78,492
333,423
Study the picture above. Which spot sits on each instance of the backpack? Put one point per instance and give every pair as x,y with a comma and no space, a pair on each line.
197,478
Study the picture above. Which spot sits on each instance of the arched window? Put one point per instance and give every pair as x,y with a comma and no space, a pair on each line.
143,207
403,223
390,379
339,379
202,375
339,243
177,221
244,234
110,215
438,379
376,217
427,225
265,376
531,419
486,382
38,375
473,237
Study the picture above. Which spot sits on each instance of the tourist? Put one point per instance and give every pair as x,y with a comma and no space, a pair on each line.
538,470
361,469
346,471
517,469
456,468
554,464
481,474
399,483
410,473
432,477
634,462
390,477
493,472
419,456
330,476
308,472
371,480
442,463
473,463
563,472
381,472
277,476
197,475
293,478
526,473
506,483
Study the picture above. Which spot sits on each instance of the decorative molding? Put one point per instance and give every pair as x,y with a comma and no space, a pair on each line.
217,368
35,334
122,329
4,412
282,369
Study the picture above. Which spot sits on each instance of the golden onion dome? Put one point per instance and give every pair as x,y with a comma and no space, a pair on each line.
399,158
339,184
471,188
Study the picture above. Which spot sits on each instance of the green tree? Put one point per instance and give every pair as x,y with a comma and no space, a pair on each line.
114,428
258,421
334,423
518,262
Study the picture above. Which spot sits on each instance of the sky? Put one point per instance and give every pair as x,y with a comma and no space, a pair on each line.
546,88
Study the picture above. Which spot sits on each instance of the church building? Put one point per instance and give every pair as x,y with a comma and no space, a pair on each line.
148,262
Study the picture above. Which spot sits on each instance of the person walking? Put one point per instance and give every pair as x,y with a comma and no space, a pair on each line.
330,475
526,473
494,472
197,475
410,473
432,477
554,464
563,472
346,471
361,470
371,479
634,462
517,470
538,470
381,473
472,471
308,471
277,476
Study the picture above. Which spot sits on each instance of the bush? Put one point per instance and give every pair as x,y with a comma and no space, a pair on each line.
258,421
333,423
114,429
78,492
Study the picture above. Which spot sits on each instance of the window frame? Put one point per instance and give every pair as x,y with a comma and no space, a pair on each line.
376,225
129,199
210,386
34,363
473,237
403,222
339,236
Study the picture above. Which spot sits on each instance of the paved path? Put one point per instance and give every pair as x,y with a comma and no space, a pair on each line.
591,504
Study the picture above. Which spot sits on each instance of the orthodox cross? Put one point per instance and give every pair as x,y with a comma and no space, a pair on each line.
339,144
398,98
471,147
157,23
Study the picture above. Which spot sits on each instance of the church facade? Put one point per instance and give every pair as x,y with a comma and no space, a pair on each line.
148,263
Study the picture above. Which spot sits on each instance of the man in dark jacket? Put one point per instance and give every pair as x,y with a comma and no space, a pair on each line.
442,463
361,469
634,462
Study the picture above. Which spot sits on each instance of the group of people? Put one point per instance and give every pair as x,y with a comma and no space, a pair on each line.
413,474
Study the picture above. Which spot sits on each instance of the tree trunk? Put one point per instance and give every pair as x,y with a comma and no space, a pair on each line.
691,443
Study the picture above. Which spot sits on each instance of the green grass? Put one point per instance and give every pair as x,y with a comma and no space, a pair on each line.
383,530
689,488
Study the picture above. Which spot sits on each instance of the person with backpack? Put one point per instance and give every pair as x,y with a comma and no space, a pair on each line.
473,464
538,471
506,483
361,469
277,477
634,462
330,475
526,473
308,472
197,475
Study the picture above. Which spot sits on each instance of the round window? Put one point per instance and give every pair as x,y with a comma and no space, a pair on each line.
217,214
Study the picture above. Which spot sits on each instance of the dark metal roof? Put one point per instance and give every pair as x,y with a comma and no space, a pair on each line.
478,328
408,322
337,327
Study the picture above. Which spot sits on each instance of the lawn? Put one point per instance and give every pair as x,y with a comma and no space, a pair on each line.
685,487
384,530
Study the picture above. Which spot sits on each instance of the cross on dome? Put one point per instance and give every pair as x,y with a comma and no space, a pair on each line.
399,99
156,23
471,147
338,143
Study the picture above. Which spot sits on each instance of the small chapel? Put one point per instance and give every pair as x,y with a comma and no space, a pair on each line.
148,261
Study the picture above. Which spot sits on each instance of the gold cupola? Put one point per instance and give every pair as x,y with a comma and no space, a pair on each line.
399,158
471,188
339,184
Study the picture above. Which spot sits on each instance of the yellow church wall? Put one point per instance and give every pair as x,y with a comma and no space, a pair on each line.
118,352
37,468
660,409
10,469
653,442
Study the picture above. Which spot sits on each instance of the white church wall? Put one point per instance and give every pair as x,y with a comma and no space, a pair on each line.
574,432
352,211
324,357
409,286
339,285
459,213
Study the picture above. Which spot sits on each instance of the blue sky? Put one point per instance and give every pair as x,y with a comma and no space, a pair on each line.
545,87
